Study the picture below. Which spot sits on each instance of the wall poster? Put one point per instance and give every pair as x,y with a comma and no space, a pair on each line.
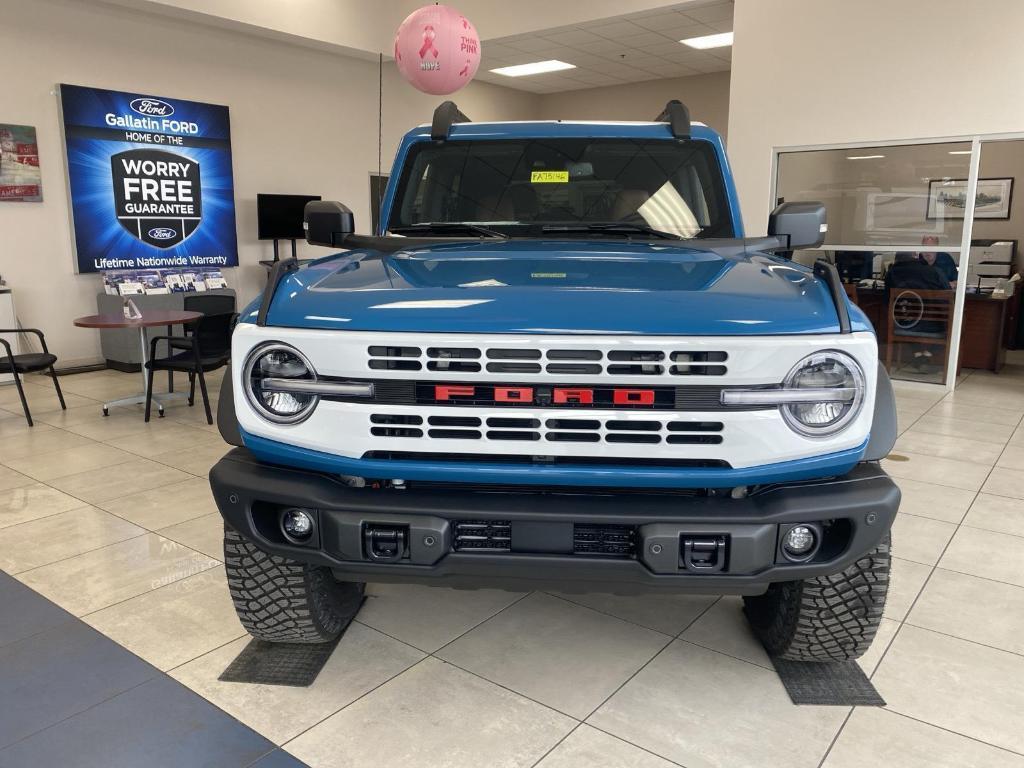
20,179
150,181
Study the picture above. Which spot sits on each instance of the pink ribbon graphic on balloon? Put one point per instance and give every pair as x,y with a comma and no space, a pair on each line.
428,42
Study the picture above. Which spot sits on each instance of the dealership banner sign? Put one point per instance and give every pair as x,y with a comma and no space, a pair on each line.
150,181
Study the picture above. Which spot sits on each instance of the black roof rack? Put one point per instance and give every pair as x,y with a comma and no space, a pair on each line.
677,116
445,115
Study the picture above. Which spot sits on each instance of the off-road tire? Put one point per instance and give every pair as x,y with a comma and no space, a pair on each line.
828,618
281,600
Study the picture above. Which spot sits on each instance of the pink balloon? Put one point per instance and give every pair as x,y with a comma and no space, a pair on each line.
437,49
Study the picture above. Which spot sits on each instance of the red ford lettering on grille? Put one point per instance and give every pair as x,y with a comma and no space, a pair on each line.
513,395
582,396
448,391
633,397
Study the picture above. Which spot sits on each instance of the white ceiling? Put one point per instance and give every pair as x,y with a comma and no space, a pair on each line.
624,49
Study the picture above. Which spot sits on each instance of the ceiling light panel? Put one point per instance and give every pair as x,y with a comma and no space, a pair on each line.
534,68
702,43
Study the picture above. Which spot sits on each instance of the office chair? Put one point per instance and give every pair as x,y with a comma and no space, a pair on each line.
32,362
208,348
215,304
919,317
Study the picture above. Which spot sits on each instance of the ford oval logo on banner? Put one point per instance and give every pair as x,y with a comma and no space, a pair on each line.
152,107
162,233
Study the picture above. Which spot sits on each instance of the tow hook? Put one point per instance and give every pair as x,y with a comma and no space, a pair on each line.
704,553
385,543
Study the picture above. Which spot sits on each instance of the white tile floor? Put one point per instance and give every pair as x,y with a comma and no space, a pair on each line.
112,519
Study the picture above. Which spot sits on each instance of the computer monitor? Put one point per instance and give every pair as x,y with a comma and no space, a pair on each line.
279,217
854,266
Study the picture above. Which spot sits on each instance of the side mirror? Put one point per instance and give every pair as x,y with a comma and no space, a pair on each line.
797,225
327,223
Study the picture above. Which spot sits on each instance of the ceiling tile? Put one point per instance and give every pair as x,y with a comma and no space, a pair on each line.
687,30
559,52
712,12
663,48
641,40
601,47
529,45
659,22
572,37
616,29
583,59
632,47
721,26
497,50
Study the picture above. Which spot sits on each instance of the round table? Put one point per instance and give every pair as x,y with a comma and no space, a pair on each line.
149,319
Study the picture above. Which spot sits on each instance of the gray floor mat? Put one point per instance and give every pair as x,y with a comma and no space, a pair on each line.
293,664
838,683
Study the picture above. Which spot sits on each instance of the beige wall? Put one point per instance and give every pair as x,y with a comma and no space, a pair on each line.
707,96
303,121
830,71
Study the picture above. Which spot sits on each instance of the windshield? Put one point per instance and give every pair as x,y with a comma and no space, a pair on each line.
523,187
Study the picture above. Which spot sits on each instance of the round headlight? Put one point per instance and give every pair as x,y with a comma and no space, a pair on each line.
839,380
266,375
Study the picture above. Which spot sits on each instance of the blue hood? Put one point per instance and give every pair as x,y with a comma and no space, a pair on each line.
558,286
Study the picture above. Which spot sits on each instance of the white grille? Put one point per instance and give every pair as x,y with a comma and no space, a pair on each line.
547,428
553,362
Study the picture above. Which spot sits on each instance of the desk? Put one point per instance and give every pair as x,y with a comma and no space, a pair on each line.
148,320
981,337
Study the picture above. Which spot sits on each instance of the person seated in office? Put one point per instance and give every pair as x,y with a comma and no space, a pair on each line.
943,262
908,271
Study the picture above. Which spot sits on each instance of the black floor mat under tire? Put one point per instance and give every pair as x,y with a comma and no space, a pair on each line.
292,664
828,618
827,683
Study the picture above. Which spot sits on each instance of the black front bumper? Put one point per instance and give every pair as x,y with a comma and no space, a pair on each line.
546,528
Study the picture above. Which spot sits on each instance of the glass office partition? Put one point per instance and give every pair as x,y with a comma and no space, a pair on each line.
896,218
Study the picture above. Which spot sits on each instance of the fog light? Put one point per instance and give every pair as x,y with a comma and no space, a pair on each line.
296,524
799,540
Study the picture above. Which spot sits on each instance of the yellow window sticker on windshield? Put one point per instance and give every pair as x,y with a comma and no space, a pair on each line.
549,177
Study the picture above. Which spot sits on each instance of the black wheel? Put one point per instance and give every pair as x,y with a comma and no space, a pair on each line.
106,411
284,601
828,618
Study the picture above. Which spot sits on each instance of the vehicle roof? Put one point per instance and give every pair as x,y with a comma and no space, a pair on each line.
568,128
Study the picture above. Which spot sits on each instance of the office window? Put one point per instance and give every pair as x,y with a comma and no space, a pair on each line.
896,218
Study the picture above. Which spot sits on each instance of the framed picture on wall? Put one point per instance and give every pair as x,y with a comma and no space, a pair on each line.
19,164
947,198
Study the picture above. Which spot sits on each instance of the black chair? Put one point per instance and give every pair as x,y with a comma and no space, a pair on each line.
32,362
213,304
208,348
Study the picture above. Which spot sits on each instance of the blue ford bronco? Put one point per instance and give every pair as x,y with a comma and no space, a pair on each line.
560,364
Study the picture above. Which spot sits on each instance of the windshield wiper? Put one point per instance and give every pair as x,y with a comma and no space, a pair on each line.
612,227
450,226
